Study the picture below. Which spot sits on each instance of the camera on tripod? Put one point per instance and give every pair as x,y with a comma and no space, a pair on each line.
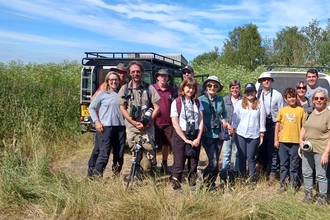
190,128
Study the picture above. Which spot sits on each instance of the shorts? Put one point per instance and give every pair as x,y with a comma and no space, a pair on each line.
163,134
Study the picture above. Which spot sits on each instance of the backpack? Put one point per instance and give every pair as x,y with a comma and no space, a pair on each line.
178,101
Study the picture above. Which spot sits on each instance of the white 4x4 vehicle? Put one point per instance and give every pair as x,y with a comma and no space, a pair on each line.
285,79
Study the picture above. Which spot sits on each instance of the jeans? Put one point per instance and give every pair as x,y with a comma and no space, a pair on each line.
227,151
212,148
289,163
247,150
309,162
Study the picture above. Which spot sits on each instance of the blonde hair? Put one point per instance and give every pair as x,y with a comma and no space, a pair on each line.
106,88
191,83
255,103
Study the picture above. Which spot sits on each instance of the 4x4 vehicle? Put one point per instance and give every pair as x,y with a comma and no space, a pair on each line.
97,64
284,79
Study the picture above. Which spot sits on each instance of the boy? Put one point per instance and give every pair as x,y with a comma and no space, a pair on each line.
287,130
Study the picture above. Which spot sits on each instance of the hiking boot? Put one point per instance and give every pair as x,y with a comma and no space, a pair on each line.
164,169
272,177
282,189
321,201
308,198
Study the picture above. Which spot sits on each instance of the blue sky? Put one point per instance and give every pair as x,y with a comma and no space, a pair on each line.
54,30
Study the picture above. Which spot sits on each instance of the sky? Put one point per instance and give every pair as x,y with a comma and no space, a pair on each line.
56,30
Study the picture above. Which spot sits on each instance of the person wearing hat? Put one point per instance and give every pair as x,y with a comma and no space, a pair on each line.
249,127
273,101
215,116
121,70
163,123
188,71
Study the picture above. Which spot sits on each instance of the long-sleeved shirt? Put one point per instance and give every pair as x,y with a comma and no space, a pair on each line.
108,110
248,122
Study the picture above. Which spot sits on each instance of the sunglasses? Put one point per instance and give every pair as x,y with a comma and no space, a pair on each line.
267,79
185,72
319,98
212,85
301,87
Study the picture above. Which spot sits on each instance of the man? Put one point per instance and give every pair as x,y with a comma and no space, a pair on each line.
163,123
273,101
135,99
312,77
188,71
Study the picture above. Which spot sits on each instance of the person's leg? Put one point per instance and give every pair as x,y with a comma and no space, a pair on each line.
105,148
212,148
94,155
307,171
192,176
284,162
321,176
226,156
118,149
241,147
166,140
236,159
251,152
179,160
294,165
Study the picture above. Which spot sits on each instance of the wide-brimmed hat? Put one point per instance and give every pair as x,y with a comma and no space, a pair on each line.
187,68
120,67
215,79
162,72
265,75
249,87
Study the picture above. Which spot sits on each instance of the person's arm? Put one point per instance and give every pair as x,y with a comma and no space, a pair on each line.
125,113
93,107
276,135
197,141
156,110
325,155
302,137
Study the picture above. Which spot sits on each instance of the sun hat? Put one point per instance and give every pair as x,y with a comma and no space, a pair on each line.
120,67
249,87
215,79
162,72
265,75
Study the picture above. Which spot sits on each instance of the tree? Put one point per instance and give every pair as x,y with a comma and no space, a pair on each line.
243,47
290,47
207,57
324,46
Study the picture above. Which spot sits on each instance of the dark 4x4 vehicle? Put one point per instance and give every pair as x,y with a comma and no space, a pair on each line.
97,64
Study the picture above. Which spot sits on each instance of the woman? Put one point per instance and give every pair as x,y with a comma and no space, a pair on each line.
230,102
214,116
301,97
249,121
110,129
316,131
187,120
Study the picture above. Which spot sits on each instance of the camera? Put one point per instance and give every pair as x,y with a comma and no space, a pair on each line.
269,119
135,111
307,146
215,123
147,117
190,128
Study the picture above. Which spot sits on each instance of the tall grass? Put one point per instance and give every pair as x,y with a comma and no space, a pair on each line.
41,152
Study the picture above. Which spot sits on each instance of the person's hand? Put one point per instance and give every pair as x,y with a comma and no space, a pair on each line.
99,126
261,140
204,128
195,143
324,158
277,144
139,125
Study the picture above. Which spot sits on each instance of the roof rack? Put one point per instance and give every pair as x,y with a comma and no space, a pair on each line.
176,59
319,69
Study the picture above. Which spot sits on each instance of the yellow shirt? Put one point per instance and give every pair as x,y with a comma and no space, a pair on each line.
291,120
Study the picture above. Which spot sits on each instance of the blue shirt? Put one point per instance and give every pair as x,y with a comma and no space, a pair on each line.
108,110
219,106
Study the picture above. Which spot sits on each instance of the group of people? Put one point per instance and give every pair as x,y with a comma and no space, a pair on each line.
255,126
